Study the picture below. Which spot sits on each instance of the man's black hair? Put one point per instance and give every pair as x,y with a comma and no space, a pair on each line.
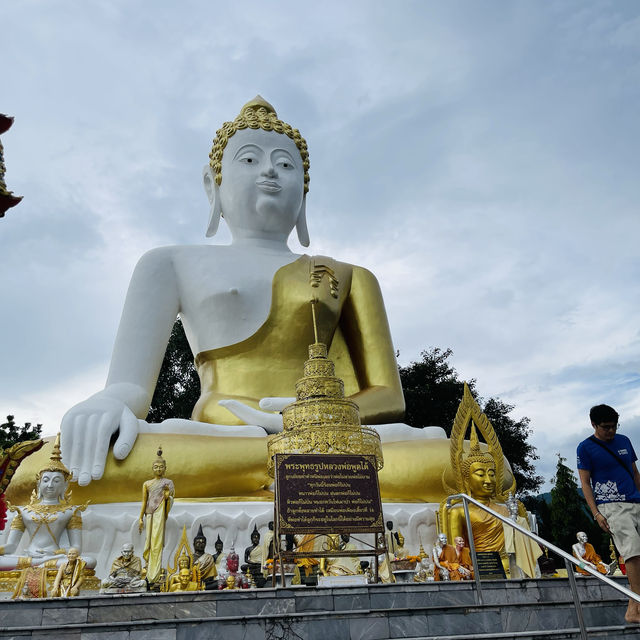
603,413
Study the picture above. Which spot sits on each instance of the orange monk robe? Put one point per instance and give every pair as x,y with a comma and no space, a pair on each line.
308,544
590,555
450,560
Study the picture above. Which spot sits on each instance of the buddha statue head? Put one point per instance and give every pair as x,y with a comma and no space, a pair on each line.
400,539
53,479
479,471
258,176
255,536
199,542
159,465
184,562
218,545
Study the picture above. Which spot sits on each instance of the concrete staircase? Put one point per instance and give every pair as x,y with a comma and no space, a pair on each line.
527,609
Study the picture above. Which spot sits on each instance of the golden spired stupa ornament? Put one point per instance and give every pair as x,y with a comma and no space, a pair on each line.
322,420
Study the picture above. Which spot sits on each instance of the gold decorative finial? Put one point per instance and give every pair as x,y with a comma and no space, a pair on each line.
55,461
322,420
256,114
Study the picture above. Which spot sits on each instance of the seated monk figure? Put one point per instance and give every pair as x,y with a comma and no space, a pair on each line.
457,560
184,562
479,480
44,520
184,582
126,573
583,550
245,307
70,576
341,565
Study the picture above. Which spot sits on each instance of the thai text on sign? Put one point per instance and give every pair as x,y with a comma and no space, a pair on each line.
327,493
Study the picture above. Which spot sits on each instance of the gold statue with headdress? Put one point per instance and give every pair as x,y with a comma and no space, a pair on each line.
480,474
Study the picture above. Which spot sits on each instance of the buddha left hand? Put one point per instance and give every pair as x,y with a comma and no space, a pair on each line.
270,422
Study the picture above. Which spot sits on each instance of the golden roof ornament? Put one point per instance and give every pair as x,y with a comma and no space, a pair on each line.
55,462
322,420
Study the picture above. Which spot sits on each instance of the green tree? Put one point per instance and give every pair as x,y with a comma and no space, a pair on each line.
569,513
432,393
10,432
178,386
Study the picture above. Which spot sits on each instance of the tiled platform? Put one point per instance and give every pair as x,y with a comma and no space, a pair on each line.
512,609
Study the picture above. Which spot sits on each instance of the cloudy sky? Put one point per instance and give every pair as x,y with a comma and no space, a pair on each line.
480,157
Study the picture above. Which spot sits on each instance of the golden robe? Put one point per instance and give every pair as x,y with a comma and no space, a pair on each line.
155,519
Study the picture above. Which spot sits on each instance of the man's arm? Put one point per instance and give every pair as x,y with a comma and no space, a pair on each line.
636,476
585,481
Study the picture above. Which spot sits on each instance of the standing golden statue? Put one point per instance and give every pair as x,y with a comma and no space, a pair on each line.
157,500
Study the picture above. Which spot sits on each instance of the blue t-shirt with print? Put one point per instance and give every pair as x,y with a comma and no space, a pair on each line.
609,481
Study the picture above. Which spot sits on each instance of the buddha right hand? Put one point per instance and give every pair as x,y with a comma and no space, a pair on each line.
85,433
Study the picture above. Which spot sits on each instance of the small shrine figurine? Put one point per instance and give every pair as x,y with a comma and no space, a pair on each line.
457,560
219,557
254,559
231,579
424,571
157,499
395,548
547,565
184,582
126,573
184,562
202,560
440,571
267,543
584,551
70,576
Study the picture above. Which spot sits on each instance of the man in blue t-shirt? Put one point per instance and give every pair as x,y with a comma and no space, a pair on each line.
611,486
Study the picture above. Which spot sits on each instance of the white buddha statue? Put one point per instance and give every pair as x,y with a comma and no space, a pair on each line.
44,520
246,312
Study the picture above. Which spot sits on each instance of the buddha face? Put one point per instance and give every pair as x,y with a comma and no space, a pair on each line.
185,578
159,469
255,538
482,480
183,563
199,544
218,546
262,184
52,486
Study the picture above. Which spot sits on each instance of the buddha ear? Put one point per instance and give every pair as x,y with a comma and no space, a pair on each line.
301,224
213,194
